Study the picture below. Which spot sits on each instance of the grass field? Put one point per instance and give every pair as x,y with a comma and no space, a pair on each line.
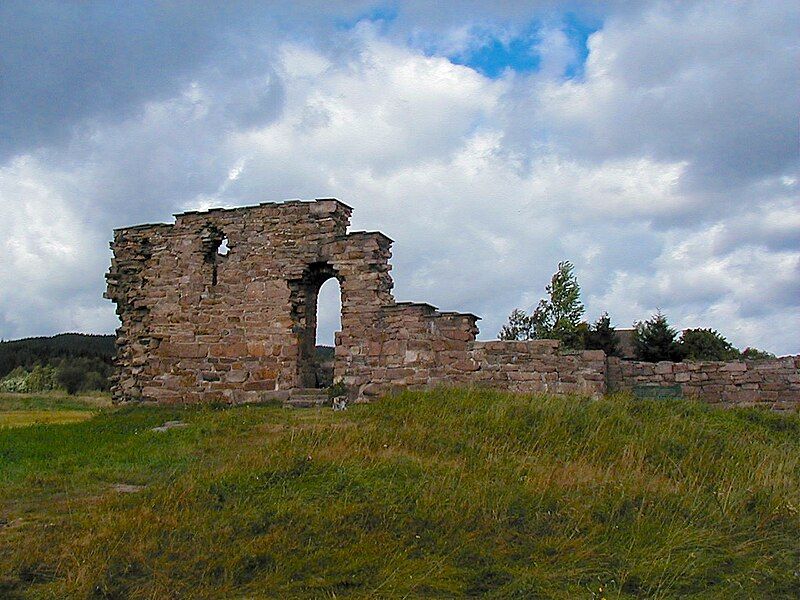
20,410
433,494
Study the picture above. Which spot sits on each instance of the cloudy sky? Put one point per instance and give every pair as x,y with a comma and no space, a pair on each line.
653,144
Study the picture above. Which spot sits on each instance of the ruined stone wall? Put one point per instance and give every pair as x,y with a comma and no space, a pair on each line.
534,366
772,383
539,366
201,325
197,325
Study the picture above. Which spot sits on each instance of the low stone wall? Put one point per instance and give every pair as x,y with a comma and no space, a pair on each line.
533,366
773,383
541,366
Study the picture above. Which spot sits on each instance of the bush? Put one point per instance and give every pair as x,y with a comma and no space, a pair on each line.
519,326
655,340
338,389
42,379
756,354
16,381
707,344
94,382
71,378
602,336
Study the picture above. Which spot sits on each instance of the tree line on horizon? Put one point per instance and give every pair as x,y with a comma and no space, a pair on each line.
560,317
74,362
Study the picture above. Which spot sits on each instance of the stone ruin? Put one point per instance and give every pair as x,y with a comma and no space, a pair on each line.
221,306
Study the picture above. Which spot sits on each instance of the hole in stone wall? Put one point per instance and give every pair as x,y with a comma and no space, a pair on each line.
329,321
215,246
329,312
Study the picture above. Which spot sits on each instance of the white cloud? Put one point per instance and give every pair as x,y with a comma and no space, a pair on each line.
484,184
51,255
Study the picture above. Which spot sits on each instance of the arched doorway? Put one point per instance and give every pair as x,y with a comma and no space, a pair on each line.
315,368
329,322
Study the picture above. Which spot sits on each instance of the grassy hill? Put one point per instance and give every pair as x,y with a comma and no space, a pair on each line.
433,494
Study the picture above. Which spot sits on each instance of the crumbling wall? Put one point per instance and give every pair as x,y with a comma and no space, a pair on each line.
199,324
533,366
771,383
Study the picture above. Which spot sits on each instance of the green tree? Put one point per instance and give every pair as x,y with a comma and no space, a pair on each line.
707,344
42,379
756,354
519,326
557,317
94,382
602,336
655,340
71,378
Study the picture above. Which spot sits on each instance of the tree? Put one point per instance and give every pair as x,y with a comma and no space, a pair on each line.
71,378
559,316
756,354
655,340
556,318
519,326
602,336
707,344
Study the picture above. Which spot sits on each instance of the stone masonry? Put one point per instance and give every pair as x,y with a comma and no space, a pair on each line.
771,383
221,306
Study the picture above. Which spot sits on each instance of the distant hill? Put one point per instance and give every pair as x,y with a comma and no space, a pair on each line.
325,352
28,352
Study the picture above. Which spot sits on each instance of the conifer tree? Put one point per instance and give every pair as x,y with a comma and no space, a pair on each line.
707,344
602,336
656,340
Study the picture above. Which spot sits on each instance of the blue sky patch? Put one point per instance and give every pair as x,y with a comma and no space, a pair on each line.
496,55
578,32
385,13
520,54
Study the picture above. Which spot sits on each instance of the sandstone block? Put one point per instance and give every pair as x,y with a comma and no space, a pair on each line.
734,366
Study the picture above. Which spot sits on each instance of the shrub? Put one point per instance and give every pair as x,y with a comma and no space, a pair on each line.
602,336
756,354
655,340
16,381
519,326
71,378
337,389
42,379
94,382
707,344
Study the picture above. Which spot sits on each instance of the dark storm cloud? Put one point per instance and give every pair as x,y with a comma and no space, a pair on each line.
65,61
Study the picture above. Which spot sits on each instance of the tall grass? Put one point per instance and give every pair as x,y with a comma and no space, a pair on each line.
447,493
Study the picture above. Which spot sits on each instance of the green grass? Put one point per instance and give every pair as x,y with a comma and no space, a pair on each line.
21,410
429,494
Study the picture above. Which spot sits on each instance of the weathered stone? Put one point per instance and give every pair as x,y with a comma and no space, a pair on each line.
199,326
734,366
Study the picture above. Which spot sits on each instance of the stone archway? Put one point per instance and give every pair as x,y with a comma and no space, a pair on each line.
203,325
304,294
